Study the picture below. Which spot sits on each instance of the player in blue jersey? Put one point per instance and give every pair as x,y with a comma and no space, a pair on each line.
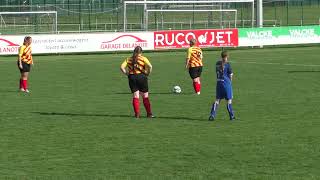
224,86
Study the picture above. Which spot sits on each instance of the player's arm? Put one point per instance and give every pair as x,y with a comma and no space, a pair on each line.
149,66
123,67
20,56
188,57
230,72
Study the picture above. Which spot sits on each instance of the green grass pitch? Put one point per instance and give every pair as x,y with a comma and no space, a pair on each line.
77,122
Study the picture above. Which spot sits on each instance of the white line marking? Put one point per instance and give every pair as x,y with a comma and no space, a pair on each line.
305,65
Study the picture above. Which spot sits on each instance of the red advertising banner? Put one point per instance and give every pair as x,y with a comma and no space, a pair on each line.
205,38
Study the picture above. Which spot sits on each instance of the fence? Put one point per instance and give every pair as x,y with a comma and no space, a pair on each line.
107,15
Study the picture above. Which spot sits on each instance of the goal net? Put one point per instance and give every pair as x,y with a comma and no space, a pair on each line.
188,14
28,22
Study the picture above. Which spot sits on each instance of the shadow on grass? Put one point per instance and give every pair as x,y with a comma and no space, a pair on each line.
157,93
310,71
9,91
112,115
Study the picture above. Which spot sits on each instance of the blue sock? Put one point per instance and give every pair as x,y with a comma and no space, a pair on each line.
229,108
214,109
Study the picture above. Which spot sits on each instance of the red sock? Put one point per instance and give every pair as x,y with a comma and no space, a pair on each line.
25,84
197,87
194,86
147,105
20,84
136,106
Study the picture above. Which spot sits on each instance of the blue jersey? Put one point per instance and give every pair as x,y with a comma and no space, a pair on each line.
224,87
224,72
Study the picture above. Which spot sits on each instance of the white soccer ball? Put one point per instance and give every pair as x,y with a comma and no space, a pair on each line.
176,89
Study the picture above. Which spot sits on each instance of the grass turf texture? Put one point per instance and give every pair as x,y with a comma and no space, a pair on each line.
77,124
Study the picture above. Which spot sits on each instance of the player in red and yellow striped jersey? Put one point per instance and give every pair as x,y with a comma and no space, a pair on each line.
194,64
137,68
24,63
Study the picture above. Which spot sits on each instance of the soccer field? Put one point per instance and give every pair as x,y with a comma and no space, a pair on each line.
77,121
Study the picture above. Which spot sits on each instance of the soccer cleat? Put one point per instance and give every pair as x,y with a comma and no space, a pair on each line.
22,90
150,116
211,118
198,93
232,118
27,91
137,116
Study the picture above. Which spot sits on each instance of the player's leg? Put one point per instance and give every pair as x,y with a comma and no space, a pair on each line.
25,75
147,104
230,110
24,78
20,80
229,102
214,109
21,88
198,80
220,94
144,89
135,95
197,85
136,104
195,76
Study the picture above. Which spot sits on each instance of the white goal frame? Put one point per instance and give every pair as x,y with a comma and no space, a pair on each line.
192,10
36,12
146,2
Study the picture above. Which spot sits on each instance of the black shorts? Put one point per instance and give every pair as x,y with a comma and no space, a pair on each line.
25,67
138,82
195,72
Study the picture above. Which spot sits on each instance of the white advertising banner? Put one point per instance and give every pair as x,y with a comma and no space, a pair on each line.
98,42
68,43
279,35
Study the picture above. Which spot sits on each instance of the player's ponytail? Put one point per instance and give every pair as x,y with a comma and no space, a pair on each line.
137,50
224,54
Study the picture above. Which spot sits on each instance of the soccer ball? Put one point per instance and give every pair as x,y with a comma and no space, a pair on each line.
176,89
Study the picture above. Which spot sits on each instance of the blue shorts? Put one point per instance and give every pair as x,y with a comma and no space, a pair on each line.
224,91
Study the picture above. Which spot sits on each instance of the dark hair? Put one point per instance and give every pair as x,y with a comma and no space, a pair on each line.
224,54
192,42
26,39
137,50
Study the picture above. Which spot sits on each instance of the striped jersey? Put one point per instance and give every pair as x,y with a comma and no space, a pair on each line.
141,66
195,56
25,54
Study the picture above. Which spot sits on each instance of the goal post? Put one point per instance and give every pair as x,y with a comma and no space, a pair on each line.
192,10
29,22
176,3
